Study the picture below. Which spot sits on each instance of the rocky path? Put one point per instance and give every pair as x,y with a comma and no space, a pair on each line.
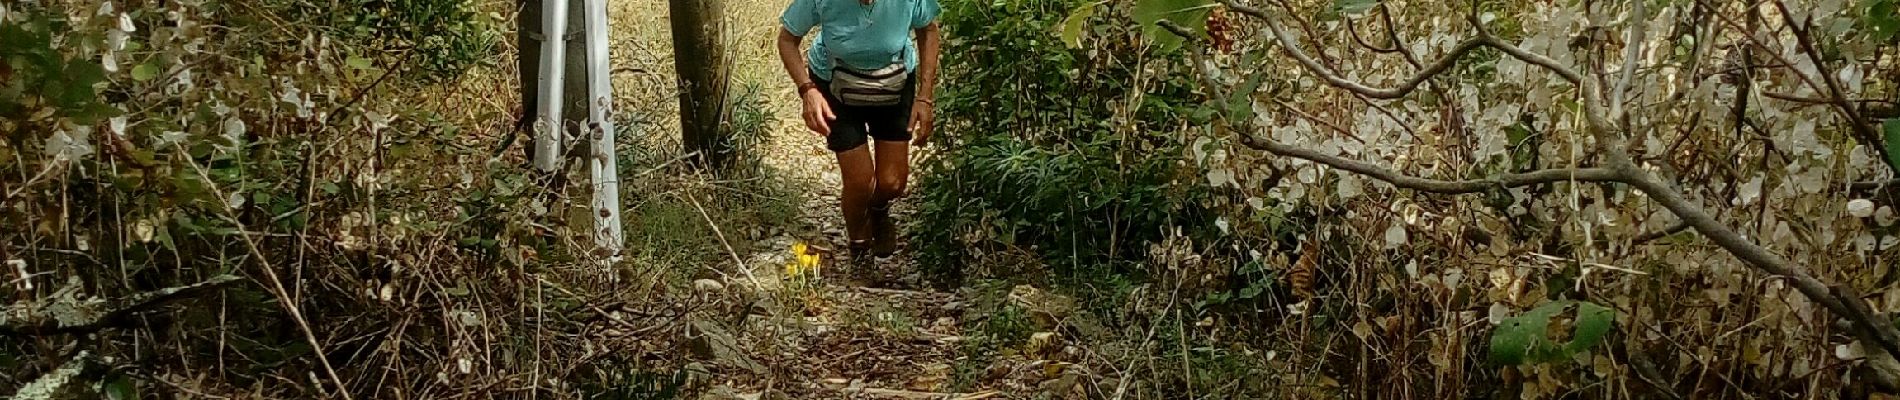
823,334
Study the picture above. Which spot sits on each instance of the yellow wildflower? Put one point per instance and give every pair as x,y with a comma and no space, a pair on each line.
804,261
809,262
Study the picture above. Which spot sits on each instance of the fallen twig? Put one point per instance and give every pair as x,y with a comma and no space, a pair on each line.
84,315
738,261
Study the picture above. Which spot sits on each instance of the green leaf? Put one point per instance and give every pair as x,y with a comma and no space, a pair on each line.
1523,339
1517,339
120,387
1593,321
1354,7
1073,25
1189,14
359,62
1240,102
1892,126
1882,19
144,72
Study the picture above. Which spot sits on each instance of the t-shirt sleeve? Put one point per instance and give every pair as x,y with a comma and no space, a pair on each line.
925,13
800,17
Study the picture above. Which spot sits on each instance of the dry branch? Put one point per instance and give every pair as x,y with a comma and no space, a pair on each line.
1539,177
1875,185
70,314
1647,237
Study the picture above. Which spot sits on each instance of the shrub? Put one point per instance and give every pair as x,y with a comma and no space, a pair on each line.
1039,158
447,36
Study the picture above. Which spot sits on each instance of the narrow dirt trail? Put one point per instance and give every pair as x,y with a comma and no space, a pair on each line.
819,335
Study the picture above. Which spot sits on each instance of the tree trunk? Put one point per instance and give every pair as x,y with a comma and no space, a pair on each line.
699,59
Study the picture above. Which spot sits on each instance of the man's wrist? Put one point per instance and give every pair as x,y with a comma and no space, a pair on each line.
807,86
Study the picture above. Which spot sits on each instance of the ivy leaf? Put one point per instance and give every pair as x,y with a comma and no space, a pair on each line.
1892,126
1073,25
1189,14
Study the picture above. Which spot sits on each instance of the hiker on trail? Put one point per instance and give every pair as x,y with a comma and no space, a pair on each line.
866,81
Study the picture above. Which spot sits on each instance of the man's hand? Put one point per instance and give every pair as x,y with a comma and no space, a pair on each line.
817,114
922,117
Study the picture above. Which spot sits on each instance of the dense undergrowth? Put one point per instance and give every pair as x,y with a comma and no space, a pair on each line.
1065,166
345,161
1088,149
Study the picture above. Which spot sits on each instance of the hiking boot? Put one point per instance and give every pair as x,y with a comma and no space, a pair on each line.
883,232
865,264
861,257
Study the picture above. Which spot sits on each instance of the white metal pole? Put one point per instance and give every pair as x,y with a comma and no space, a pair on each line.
547,127
601,163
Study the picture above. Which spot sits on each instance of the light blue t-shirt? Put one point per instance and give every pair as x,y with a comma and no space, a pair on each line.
863,36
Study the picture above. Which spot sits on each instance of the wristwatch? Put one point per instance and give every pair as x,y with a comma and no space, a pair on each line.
807,85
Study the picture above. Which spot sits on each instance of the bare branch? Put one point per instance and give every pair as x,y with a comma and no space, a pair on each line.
1632,51
1293,48
76,315
1353,27
1790,97
1539,177
1483,39
1569,74
1647,237
1875,185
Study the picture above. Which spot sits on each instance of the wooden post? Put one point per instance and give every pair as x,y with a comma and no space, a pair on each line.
699,58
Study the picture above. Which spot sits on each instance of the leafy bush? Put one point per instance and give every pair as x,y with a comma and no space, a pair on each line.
447,37
749,126
1040,158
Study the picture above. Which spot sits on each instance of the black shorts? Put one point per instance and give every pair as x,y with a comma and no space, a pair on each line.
857,123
